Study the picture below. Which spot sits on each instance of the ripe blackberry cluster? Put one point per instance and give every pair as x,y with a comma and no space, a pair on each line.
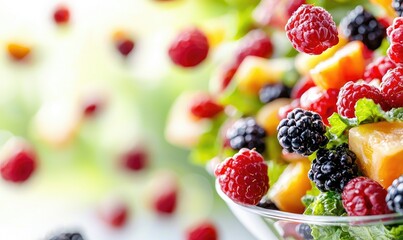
332,169
246,133
271,92
302,132
394,198
361,25
398,6
304,230
68,236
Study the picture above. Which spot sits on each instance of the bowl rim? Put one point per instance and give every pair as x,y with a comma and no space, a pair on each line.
385,219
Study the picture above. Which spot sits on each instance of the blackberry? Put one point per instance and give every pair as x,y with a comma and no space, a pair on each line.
246,133
267,204
394,198
304,230
333,168
398,6
68,236
271,92
361,25
302,132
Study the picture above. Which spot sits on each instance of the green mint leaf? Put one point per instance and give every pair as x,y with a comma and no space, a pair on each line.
366,111
395,114
326,204
247,104
209,145
308,200
340,124
396,232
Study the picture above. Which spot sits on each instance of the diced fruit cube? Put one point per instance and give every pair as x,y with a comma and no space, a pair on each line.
386,5
379,150
291,187
255,72
183,129
18,51
305,62
336,71
268,118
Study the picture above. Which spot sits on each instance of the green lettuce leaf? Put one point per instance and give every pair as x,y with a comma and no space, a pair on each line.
326,204
366,111
209,144
247,104
396,232
376,232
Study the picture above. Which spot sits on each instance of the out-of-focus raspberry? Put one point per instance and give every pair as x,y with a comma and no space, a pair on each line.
312,30
189,48
302,86
321,101
203,231
204,106
378,68
395,34
392,87
255,43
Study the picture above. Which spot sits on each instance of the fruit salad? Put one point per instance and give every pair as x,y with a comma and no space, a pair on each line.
306,114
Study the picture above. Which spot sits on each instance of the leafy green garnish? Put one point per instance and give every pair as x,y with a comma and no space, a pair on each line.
376,232
397,232
209,144
247,104
366,111
326,204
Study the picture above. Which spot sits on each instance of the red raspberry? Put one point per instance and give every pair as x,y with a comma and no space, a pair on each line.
392,87
189,48
165,198
203,231
92,104
243,177
283,111
302,86
135,159
204,106
125,46
321,101
61,15
255,43
378,68
312,30
293,5
363,196
227,75
114,213
19,166
395,34
351,92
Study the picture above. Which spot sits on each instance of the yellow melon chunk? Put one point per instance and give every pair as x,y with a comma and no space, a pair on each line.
379,150
292,185
255,72
267,117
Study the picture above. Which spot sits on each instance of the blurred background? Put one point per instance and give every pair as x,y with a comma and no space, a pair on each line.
85,91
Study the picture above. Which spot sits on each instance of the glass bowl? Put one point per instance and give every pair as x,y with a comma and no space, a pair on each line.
274,224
